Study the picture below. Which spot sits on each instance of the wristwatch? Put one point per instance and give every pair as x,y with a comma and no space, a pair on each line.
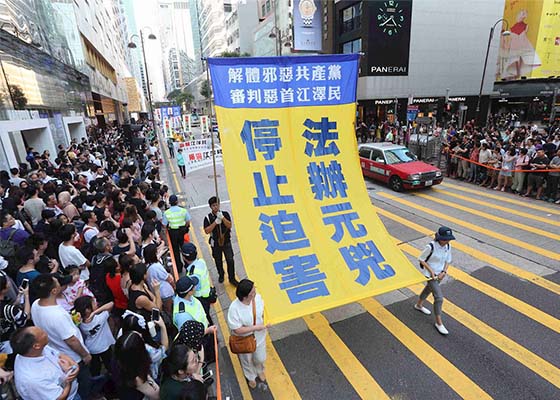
307,10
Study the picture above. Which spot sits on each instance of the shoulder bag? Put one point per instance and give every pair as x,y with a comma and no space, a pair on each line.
244,344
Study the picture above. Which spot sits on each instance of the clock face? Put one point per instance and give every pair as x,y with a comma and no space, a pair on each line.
390,17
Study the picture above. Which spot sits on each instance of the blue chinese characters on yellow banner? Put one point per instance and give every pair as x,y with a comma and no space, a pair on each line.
308,233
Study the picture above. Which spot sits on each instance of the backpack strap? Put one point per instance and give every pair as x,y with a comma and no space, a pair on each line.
431,251
429,255
12,234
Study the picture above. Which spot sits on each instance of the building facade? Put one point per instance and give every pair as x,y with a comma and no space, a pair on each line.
437,54
43,101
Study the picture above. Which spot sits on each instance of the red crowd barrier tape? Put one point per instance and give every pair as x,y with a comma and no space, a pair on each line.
218,384
175,273
509,170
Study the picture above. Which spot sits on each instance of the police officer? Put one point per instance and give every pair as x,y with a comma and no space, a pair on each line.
196,267
186,307
177,219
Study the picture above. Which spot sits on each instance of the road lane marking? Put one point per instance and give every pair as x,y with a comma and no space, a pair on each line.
525,357
442,367
545,220
218,311
503,198
516,242
358,376
490,217
514,303
504,266
278,378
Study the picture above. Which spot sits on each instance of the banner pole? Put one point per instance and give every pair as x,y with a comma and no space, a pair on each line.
211,129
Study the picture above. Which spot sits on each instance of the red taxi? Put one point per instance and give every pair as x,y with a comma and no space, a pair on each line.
397,166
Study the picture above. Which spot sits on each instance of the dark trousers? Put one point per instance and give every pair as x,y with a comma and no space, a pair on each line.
227,251
552,186
206,305
176,236
171,151
183,171
97,359
88,386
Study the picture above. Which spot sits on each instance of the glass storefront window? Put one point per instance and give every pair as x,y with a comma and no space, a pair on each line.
353,46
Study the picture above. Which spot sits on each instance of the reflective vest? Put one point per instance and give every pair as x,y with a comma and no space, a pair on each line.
199,269
193,308
176,217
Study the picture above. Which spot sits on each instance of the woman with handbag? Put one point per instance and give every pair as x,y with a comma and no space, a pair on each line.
248,332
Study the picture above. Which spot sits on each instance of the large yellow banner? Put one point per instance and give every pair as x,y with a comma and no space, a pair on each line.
308,233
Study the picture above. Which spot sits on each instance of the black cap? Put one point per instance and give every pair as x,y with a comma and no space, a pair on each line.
444,233
189,251
173,200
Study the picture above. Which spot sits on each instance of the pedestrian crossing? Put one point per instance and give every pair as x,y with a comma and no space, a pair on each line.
504,318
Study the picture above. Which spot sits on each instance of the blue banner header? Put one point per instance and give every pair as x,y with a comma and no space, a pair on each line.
279,82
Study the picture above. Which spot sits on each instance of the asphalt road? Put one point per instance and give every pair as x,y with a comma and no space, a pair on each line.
501,307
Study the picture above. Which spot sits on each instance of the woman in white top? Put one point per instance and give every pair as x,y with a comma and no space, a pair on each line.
240,322
435,260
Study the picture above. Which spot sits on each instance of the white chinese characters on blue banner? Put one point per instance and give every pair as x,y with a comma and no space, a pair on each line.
272,82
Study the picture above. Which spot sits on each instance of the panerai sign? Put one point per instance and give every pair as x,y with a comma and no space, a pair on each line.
424,100
457,99
389,70
383,102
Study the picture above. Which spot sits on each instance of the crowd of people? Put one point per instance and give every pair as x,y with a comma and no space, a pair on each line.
94,304
507,157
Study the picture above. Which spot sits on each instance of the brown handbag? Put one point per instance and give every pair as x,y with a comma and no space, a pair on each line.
244,344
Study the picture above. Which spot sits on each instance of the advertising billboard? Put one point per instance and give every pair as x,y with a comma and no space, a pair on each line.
389,37
307,25
532,48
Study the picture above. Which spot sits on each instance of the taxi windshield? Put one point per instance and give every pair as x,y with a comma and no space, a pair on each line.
397,156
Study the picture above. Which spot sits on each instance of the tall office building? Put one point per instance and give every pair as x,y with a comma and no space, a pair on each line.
176,42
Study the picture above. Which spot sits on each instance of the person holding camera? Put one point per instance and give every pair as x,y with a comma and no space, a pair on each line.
434,261
42,372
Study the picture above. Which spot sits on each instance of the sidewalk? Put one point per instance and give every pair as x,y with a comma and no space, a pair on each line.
193,193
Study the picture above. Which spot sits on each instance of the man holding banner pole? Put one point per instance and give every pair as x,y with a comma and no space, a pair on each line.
218,225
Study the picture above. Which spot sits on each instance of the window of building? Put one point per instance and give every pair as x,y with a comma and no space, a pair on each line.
353,46
351,18
227,7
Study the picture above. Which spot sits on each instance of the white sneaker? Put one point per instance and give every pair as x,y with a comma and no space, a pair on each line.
441,329
422,309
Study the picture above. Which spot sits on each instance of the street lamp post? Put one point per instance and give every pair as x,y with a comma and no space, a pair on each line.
276,33
132,45
504,33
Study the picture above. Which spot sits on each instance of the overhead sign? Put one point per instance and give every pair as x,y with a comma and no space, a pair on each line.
389,37
308,25
308,233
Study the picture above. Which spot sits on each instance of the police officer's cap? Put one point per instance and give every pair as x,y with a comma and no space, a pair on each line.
173,200
189,251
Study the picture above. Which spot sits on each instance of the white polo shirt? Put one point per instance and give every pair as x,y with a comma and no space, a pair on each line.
440,256
40,378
